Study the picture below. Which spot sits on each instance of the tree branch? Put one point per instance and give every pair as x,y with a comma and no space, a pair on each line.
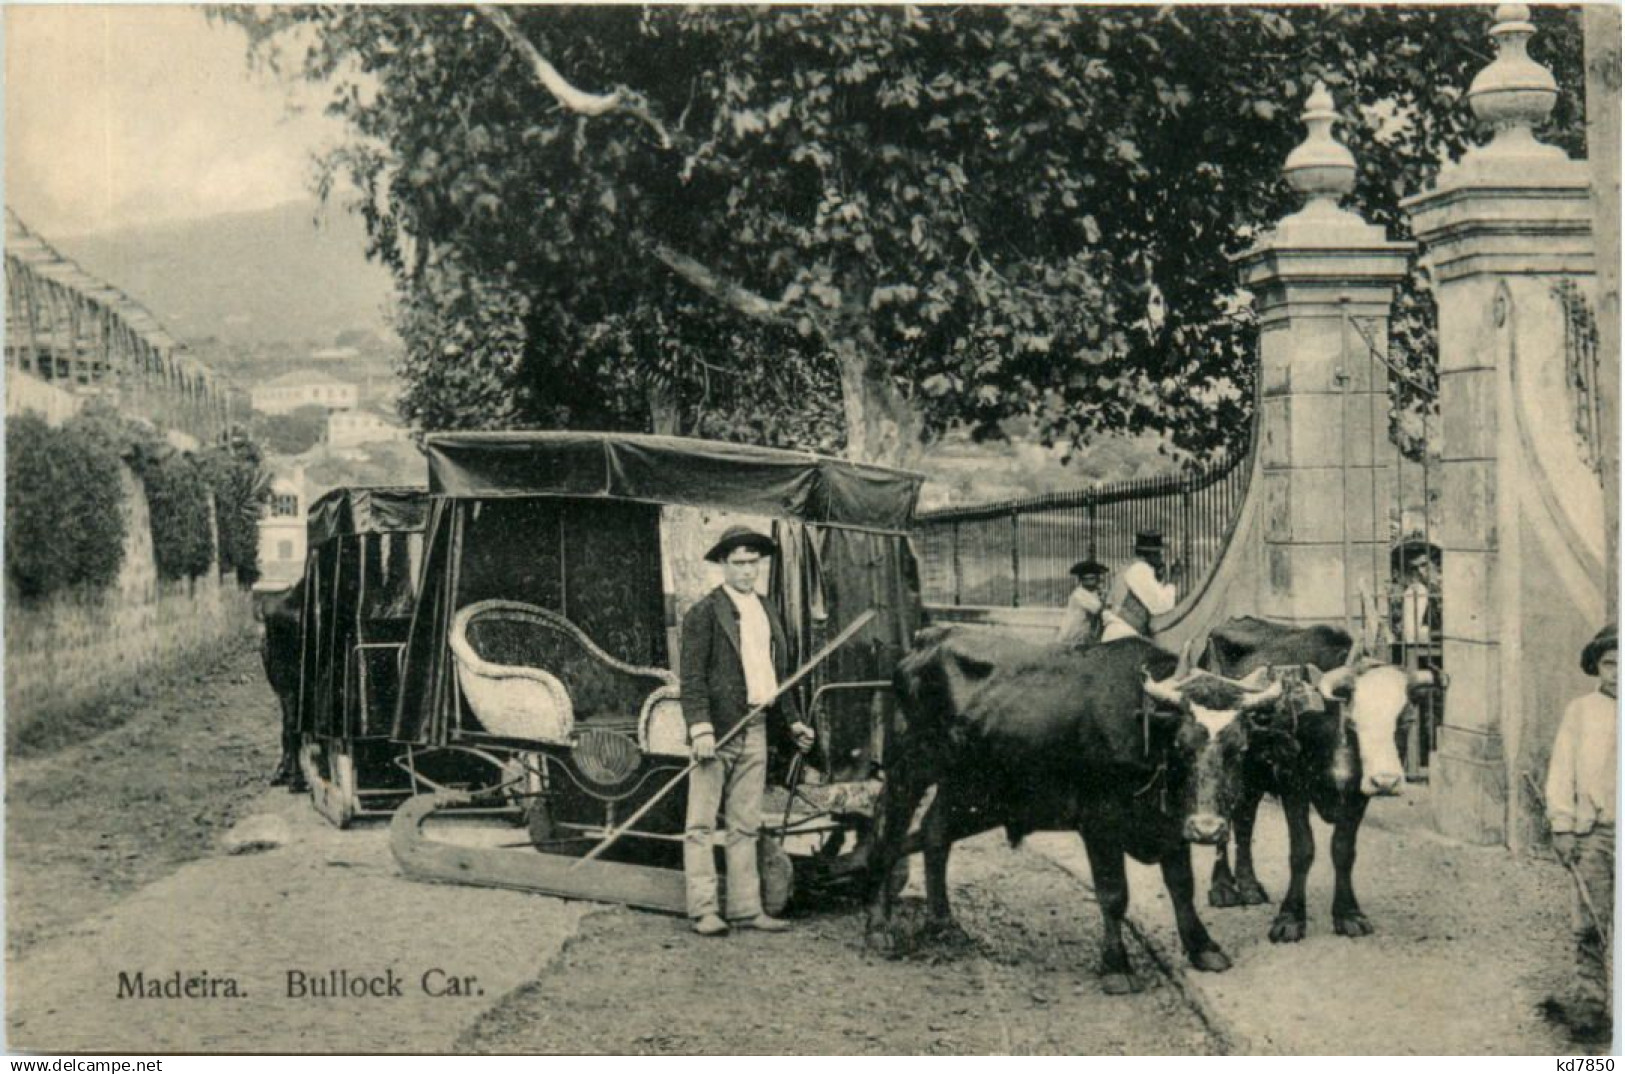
735,297
571,98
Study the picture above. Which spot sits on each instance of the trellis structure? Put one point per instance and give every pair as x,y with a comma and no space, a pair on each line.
69,329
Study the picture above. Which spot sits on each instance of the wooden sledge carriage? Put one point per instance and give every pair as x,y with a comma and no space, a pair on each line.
361,576
544,639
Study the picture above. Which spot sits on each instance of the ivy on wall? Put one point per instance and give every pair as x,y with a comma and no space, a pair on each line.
65,522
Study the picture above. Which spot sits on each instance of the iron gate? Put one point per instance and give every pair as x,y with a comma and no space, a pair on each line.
1405,619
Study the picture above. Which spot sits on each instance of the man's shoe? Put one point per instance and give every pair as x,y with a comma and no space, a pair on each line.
710,925
762,923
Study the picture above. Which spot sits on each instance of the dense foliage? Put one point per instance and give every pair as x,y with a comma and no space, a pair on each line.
65,521
240,484
855,226
293,433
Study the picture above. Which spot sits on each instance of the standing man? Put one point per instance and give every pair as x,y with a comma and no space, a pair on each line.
1581,784
734,655
1081,624
1416,602
1141,591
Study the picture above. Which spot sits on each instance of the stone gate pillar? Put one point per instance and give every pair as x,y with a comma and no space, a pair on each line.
1323,281
1508,241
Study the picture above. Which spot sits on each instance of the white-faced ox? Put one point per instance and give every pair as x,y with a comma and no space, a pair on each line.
1035,738
1329,743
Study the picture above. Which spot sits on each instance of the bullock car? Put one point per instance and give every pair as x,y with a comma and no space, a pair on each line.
556,569
358,591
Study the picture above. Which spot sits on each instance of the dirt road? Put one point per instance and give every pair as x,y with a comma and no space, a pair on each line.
102,886
1021,983
115,866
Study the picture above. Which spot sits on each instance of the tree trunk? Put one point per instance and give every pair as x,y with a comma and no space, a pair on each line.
665,416
881,425
1602,22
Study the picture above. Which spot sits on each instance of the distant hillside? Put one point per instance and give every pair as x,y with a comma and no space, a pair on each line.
261,277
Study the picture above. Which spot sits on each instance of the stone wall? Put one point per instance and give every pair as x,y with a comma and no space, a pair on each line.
77,649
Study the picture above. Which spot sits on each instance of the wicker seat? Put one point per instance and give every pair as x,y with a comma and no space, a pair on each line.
529,673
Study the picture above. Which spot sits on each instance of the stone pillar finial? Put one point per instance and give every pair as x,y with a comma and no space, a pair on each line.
1321,168
1514,92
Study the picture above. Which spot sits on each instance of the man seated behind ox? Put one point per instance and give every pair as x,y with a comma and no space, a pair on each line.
1141,591
1081,624
735,654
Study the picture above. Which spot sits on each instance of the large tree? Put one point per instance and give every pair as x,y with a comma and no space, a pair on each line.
849,227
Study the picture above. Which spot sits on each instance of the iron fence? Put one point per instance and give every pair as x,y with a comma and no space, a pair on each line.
1019,553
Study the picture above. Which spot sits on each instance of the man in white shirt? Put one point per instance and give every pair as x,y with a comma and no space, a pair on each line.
735,652
1581,787
1081,623
1415,603
1140,592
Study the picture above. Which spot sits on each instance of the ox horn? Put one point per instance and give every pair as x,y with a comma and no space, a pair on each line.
1337,680
1258,679
1184,666
1163,691
1262,698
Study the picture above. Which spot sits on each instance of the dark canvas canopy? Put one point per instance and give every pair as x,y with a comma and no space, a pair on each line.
346,512
791,485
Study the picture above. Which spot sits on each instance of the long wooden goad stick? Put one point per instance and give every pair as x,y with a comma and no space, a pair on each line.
1574,872
818,658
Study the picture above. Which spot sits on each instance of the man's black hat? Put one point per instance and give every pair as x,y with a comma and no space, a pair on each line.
1088,568
1606,641
740,537
1147,541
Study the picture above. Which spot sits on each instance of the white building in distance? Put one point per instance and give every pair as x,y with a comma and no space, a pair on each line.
303,387
282,533
347,428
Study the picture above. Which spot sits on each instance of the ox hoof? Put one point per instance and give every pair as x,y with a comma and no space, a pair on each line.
1286,930
1251,893
1211,960
1223,894
1352,925
945,930
1119,984
882,941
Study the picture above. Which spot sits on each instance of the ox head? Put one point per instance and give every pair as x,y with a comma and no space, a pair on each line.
1207,745
1376,695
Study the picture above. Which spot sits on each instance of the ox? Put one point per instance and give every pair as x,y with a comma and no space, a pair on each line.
1332,749
280,653
1044,738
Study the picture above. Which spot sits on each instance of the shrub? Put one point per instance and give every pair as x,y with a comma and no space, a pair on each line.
65,522
241,486
178,501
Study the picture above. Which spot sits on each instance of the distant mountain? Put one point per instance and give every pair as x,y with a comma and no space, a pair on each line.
273,276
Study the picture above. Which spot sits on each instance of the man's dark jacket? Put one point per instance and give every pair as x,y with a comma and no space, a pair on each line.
713,671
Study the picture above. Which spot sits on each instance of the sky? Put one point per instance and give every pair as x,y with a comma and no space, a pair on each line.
123,115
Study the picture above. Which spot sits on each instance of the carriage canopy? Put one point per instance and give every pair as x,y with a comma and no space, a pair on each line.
674,470
349,512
